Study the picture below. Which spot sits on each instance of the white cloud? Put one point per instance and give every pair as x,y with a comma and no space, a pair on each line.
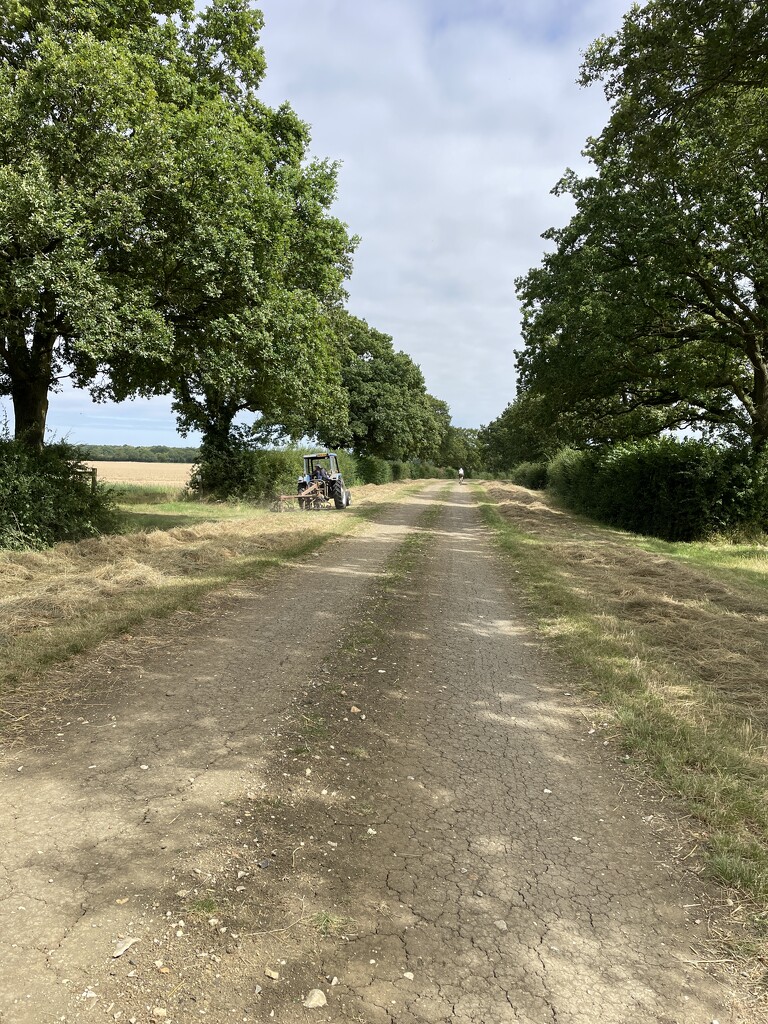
454,121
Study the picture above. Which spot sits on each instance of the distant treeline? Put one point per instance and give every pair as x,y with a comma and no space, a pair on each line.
126,453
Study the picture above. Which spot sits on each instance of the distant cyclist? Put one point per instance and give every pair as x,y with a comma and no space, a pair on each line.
461,475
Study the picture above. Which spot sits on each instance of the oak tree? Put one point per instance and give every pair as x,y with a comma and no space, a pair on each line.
161,230
651,312
391,414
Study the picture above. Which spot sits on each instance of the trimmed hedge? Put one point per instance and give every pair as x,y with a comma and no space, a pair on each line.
427,471
259,475
46,497
374,470
530,474
675,490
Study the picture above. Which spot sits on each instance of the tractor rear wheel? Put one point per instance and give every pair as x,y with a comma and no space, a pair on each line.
340,495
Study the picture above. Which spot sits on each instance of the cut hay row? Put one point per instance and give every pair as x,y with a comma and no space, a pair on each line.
46,588
710,630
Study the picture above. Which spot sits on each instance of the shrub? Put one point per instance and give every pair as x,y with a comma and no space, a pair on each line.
46,497
530,474
400,471
348,467
247,474
374,470
569,475
426,471
675,490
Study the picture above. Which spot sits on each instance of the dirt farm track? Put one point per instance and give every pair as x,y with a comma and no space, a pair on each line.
161,473
358,789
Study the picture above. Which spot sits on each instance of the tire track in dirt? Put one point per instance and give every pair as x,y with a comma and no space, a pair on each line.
125,794
516,884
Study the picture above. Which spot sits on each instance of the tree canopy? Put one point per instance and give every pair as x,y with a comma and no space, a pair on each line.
391,415
80,138
161,231
651,312
670,54
165,232
522,433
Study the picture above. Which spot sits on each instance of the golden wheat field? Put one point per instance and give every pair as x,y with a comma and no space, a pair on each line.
170,474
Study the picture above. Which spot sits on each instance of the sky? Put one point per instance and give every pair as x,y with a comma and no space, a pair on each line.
452,121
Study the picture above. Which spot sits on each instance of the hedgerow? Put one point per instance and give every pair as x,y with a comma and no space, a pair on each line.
675,490
45,497
530,474
259,474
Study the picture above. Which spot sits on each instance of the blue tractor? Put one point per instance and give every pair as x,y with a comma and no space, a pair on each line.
322,482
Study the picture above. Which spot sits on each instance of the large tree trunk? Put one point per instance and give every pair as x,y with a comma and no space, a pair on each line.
29,365
217,433
758,406
30,410
219,468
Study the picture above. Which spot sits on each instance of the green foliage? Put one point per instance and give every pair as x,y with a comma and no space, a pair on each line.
127,453
374,470
252,288
162,230
569,474
82,144
649,313
260,475
247,474
391,416
461,447
400,470
669,53
521,433
428,471
533,475
664,488
47,497
348,467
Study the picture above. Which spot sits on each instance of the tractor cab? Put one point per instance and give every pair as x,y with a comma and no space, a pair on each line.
322,482
315,464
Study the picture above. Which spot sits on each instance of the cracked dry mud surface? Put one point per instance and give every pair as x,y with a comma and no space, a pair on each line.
362,775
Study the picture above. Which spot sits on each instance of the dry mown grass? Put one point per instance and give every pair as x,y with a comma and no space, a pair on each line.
709,632
64,600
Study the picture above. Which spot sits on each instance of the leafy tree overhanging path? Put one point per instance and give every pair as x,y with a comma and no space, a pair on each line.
360,771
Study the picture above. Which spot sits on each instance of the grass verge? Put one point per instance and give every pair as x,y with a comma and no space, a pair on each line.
740,563
650,640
